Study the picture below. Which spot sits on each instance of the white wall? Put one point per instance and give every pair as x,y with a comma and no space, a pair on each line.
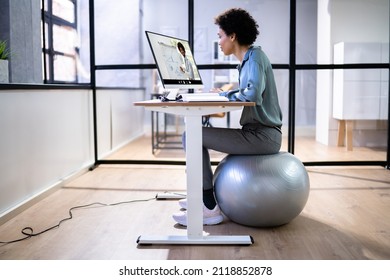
47,136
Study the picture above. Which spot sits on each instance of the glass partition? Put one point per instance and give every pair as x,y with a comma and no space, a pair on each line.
271,16
347,122
317,128
117,32
340,88
171,19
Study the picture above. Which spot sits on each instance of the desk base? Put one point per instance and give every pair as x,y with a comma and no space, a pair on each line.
168,195
205,240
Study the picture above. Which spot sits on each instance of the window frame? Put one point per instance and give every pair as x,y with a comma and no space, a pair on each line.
49,20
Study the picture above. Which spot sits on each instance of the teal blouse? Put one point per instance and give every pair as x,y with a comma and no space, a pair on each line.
257,84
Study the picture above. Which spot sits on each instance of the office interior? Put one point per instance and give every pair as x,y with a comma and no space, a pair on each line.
76,67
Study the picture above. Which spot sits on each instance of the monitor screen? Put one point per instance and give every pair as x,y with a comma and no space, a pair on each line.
175,62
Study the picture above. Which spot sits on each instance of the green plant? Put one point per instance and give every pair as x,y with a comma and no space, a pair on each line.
4,51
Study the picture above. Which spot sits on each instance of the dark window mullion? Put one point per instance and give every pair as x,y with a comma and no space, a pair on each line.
49,48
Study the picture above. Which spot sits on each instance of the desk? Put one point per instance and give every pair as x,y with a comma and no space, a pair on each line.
193,112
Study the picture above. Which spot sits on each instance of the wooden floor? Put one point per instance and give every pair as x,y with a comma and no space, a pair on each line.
346,218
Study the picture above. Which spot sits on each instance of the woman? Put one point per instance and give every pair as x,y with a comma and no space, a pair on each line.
186,67
261,124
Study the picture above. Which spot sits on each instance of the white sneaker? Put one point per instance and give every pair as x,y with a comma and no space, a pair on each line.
210,217
183,203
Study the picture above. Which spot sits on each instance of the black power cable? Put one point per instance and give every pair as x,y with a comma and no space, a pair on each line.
28,232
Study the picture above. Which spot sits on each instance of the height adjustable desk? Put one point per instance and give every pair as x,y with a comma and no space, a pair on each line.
193,112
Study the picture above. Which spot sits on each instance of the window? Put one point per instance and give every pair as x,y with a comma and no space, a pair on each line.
63,41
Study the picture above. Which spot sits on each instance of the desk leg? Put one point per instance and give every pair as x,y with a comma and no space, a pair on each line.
194,197
194,176
152,118
195,191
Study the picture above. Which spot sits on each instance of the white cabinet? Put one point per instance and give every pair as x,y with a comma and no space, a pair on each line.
360,94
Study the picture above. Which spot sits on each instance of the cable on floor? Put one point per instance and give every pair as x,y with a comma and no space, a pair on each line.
28,232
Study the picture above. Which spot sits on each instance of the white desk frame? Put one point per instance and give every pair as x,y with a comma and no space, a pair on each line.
193,112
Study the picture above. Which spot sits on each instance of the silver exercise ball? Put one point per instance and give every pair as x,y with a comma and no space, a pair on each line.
261,190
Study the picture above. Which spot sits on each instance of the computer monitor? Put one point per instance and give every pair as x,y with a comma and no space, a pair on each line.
175,63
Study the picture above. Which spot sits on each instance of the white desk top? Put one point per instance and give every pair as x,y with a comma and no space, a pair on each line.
159,103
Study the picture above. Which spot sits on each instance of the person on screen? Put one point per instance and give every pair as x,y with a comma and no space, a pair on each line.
186,67
260,131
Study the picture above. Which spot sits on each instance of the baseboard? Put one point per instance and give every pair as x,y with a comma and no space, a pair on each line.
19,208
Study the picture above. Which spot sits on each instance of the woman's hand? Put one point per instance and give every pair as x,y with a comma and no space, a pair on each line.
217,90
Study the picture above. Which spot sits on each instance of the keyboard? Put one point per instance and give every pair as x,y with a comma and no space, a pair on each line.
203,97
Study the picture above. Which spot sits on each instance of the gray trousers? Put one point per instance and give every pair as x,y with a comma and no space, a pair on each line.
252,139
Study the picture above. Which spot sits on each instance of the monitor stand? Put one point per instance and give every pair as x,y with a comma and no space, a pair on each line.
170,94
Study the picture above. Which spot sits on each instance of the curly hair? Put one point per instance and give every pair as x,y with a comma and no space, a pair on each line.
240,22
180,46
